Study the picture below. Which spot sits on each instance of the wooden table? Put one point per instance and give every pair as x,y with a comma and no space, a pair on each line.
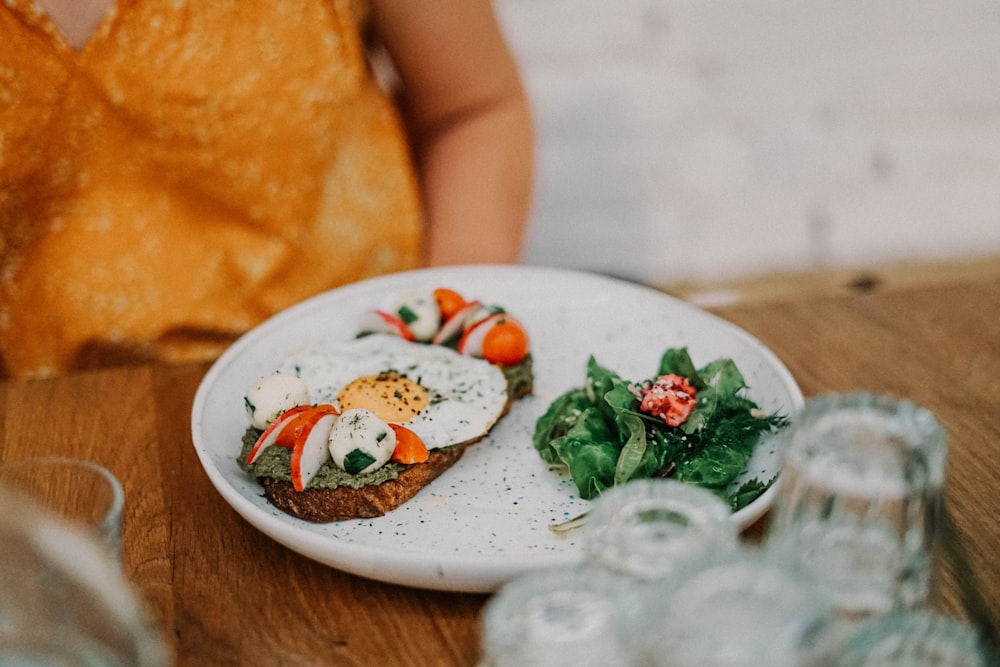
227,594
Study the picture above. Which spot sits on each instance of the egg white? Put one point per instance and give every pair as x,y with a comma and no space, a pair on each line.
466,395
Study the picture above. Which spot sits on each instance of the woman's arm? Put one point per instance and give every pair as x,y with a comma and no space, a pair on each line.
469,123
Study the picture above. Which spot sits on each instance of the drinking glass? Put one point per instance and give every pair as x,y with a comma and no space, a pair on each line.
75,490
645,529
65,600
741,610
915,639
860,501
575,617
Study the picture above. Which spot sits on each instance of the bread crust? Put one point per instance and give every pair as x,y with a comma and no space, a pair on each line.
345,503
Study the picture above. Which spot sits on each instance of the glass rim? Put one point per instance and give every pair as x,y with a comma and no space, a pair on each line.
915,424
117,501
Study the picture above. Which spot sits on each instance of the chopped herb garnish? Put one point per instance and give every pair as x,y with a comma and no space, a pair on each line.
357,460
407,315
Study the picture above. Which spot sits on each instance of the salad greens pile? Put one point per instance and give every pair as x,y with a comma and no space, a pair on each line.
599,433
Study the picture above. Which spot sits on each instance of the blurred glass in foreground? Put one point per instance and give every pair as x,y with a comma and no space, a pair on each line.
576,617
860,500
65,601
646,529
81,492
915,639
736,611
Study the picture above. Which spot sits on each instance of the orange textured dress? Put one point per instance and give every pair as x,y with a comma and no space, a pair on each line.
198,166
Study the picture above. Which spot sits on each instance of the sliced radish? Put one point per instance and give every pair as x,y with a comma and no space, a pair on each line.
270,434
311,450
458,322
377,321
291,432
476,315
286,428
471,343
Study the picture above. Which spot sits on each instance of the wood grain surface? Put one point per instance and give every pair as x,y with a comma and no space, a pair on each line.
225,594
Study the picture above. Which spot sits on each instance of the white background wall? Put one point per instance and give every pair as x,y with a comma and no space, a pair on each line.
707,139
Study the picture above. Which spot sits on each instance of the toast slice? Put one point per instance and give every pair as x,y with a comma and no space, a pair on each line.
344,503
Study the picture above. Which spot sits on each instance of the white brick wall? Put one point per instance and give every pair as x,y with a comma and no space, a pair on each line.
707,139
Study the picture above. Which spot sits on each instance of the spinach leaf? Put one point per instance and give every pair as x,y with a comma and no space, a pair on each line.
715,465
600,435
557,421
676,360
590,451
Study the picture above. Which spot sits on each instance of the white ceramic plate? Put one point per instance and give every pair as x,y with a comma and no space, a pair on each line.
486,520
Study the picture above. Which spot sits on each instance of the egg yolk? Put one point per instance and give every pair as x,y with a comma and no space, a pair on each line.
395,398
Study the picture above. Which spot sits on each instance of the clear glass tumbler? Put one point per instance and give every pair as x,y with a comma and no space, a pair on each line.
575,617
646,529
79,491
915,639
861,499
65,599
744,610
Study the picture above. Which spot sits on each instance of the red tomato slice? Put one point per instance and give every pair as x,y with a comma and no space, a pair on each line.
409,447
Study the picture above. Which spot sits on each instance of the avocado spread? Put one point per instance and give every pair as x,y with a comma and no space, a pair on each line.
520,378
276,462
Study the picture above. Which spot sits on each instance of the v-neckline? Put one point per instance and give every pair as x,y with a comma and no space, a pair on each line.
57,24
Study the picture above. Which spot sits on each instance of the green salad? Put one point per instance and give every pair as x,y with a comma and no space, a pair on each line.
691,424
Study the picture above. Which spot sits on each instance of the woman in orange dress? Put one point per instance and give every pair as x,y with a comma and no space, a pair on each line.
172,172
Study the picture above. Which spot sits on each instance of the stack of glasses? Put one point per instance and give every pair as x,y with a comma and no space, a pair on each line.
843,578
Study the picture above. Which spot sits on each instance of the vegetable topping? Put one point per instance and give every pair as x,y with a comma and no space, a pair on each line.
695,425
671,397
444,317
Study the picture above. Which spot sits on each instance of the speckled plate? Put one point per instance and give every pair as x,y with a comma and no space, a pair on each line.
486,520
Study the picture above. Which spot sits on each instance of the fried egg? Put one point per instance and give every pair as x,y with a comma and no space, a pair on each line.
442,396
392,396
